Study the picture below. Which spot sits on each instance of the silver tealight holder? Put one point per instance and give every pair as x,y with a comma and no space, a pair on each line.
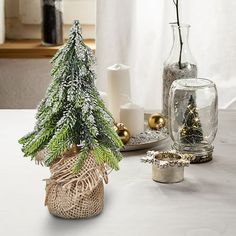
167,166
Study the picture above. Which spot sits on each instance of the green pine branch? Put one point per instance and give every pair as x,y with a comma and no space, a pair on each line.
82,157
38,142
104,155
72,111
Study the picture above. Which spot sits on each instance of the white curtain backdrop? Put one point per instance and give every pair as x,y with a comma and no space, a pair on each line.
137,33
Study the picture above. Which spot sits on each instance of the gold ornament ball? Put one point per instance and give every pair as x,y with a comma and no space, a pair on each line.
156,121
122,132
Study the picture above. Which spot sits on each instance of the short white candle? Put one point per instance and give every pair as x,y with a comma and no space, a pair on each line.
132,116
118,81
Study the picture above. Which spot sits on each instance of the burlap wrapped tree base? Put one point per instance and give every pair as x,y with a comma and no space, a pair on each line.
75,196
62,202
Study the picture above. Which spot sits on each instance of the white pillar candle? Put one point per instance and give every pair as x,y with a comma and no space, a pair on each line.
105,99
132,116
118,81
2,22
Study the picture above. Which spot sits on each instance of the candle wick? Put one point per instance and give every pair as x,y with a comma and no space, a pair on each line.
117,66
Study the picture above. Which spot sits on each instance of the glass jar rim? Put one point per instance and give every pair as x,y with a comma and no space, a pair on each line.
182,25
194,83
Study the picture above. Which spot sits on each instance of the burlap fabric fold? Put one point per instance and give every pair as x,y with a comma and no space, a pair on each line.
74,196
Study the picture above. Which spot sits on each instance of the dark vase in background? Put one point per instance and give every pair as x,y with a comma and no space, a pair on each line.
172,70
52,23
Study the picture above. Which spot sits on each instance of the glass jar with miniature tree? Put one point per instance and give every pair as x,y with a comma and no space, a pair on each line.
193,119
180,62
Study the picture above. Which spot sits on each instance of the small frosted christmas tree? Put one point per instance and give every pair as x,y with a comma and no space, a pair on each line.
191,131
72,112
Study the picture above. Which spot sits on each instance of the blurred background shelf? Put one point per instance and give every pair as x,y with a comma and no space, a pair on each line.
32,48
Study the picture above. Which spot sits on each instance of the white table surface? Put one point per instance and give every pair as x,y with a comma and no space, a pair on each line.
204,204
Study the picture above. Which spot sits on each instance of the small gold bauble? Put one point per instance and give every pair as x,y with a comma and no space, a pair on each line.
122,132
156,121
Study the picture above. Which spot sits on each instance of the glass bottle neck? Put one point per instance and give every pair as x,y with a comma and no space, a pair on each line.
180,51
180,35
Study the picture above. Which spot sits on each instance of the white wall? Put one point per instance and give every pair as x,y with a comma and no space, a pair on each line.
23,82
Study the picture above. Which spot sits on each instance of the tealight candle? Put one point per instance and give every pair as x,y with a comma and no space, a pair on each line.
118,81
132,116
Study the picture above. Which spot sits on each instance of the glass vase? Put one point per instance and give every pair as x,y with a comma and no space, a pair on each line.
193,120
180,63
52,24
